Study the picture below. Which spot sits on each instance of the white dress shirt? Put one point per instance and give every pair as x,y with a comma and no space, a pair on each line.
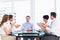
55,27
14,28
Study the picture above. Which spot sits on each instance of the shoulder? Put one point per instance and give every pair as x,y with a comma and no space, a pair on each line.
6,23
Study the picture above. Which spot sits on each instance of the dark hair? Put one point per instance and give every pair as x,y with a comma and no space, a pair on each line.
10,16
4,19
53,14
46,17
28,16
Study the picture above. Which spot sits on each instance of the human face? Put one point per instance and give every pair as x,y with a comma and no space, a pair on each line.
27,19
11,19
45,20
51,17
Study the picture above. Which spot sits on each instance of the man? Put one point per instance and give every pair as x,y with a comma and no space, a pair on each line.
10,18
27,26
54,26
16,26
53,23
11,21
53,18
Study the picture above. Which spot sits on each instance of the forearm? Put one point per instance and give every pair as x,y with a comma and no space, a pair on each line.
10,30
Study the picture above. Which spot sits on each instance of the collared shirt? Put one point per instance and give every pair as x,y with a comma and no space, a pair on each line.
14,28
27,24
53,22
55,27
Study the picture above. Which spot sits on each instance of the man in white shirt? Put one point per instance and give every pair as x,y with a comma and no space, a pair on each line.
14,28
54,28
11,21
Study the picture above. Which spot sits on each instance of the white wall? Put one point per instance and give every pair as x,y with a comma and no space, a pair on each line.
42,7
35,8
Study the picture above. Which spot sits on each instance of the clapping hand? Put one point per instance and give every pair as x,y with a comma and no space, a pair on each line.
17,26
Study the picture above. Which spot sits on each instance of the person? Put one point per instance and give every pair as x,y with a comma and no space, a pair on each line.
6,27
16,26
45,23
11,20
53,18
54,28
27,26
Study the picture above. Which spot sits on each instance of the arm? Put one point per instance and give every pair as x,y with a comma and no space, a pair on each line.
23,27
42,26
31,27
45,27
17,26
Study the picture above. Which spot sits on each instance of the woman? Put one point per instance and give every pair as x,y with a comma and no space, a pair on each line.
7,28
45,23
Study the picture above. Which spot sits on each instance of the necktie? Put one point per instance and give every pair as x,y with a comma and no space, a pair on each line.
10,23
10,32
51,23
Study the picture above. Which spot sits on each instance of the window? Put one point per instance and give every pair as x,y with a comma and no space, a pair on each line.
5,8
43,7
22,9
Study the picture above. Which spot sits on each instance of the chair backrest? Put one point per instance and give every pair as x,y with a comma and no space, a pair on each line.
50,37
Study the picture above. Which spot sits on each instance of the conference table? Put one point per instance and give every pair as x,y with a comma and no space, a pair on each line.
21,34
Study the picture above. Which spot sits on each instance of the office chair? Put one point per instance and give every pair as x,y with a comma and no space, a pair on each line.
50,37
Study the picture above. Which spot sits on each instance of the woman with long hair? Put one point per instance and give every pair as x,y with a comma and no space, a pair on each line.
7,28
